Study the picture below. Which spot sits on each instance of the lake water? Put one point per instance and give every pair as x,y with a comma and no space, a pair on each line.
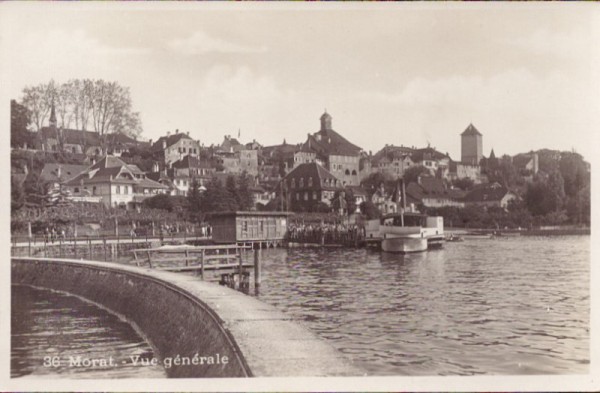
505,306
49,325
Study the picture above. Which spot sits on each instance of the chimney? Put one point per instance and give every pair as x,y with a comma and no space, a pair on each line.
150,142
164,144
176,131
168,133
188,133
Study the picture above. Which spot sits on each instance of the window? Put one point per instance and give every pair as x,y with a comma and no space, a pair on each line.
118,189
293,183
297,196
347,172
354,172
94,190
125,189
76,190
301,182
310,183
306,196
314,195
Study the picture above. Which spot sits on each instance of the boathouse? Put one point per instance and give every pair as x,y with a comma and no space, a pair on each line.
261,229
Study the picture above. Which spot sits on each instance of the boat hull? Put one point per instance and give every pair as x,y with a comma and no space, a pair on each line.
404,245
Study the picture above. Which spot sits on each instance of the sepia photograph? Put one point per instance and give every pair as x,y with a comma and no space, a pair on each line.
299,196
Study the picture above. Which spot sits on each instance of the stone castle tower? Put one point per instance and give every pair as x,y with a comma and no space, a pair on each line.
471,146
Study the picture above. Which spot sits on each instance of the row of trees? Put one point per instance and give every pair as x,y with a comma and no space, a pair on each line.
83,104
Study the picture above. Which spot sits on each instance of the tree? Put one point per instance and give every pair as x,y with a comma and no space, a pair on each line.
412,174
464,183
35,189
38,100
350,204
194,197
19,120
370,210
106,105
17,195
245,200
217,198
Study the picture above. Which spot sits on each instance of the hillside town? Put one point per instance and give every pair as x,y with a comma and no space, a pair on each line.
53,166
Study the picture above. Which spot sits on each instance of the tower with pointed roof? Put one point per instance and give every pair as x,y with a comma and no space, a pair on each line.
471,145
325,121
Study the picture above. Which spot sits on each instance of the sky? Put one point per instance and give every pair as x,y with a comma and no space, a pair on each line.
401,74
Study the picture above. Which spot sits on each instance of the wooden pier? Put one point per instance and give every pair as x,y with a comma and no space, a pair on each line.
226,262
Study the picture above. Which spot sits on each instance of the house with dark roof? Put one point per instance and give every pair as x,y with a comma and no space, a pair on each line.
392,160
69,140
430,191
489,195
174,147
231,145
309,185
55,174
114,183
118,143
338,155
436,162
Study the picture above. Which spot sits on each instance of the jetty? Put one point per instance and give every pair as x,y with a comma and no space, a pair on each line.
229,263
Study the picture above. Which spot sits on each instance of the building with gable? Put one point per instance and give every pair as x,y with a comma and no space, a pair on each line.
174,147
340,157
489,195
436,162
56,174
309,185
114,183
392,161
430,191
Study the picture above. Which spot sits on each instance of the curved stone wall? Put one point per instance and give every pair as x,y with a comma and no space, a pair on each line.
181,315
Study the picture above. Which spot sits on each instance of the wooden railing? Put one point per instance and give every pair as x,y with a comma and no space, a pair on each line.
225,260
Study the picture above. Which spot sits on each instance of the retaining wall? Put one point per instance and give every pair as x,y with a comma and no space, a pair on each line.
182,315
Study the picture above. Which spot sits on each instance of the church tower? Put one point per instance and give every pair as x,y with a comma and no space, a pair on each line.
471,146
325,121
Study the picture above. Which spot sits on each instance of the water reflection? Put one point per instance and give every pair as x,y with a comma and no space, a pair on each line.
49,329
505,306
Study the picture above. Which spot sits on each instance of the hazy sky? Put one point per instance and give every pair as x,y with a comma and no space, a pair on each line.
387,73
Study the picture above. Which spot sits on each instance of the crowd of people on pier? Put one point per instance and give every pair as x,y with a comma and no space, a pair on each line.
326,233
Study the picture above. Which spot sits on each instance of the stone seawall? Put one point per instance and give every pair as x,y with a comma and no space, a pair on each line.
96,250
181,315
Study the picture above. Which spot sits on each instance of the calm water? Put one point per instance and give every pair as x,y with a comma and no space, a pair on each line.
48,324
498,306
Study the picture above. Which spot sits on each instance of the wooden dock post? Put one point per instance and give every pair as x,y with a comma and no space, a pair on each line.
257,273
240,269
202,264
